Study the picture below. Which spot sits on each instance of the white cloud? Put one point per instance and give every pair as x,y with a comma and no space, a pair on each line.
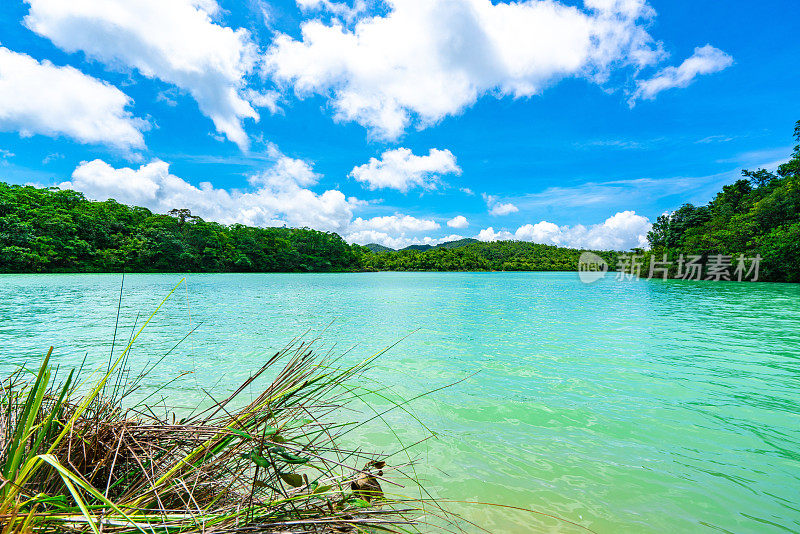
281,194
459,221
622,231
402,170
394,223
488,234
174,41
391,231
366,237
286,172
339,9
542,232
622,144
705,60
428,59
715,139
42,98
278,198
498,208
52,157
503,209
264,99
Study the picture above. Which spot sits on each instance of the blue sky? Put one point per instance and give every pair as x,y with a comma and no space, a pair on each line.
572,123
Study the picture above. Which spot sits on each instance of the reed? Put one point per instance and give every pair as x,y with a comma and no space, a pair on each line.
77,455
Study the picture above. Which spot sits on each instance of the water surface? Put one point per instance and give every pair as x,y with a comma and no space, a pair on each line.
647,406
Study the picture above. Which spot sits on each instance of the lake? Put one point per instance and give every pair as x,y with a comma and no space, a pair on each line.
624,406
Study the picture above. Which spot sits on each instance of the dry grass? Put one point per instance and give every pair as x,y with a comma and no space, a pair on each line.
74,459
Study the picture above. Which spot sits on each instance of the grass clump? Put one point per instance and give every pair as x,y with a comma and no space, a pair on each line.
73,458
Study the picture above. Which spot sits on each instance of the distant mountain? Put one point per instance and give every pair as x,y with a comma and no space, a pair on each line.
459,243
374,247
471,255
448,244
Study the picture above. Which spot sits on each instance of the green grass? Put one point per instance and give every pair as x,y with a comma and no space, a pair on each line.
75,457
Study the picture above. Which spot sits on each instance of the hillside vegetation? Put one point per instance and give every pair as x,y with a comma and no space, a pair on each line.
479,256
757,215
51,230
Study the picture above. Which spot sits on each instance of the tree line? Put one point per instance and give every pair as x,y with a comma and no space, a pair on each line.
54,230
493,256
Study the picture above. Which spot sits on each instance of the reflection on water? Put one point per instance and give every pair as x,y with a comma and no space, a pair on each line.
649,406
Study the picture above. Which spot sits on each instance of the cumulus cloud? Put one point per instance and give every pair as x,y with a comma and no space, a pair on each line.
402,170
424,60
503,209
394,223
280,195
175,41
366,237
498,208
621,231
264,99
705,60
488,234
339,9
459,221
42,98
395,231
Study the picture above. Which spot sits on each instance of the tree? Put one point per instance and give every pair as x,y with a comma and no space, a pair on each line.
183,215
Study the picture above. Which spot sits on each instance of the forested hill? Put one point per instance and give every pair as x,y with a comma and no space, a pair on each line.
757,215
376,248
52,230
480,256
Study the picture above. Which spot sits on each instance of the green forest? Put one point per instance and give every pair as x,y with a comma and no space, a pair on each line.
53,230
759,214
479,256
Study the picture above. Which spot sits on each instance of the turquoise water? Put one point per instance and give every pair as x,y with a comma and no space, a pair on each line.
644,406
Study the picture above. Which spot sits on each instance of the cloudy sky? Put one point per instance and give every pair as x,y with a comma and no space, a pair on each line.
400,121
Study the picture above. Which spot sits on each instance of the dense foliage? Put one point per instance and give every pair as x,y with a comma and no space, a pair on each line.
496,256
51,230
757,215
